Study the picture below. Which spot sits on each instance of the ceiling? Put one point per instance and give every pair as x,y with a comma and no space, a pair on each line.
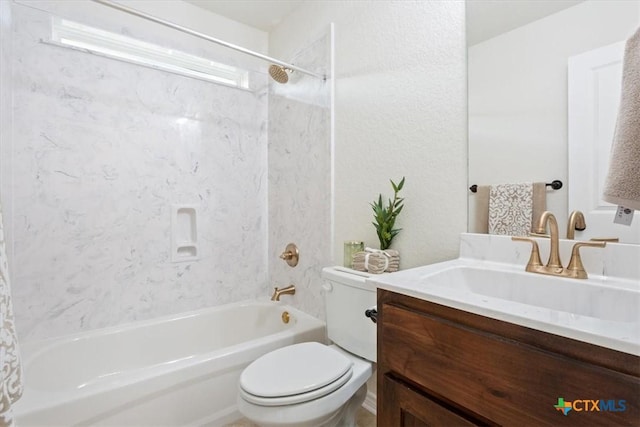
485,18
489,18
261,14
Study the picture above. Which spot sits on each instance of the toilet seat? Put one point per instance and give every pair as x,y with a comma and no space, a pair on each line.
295,374
296,398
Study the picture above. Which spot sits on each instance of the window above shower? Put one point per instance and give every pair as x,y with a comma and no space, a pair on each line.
104,43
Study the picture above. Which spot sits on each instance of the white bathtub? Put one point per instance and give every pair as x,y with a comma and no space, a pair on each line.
171,371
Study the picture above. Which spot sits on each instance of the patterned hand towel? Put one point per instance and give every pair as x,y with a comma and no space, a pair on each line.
511,209
622,186
481,216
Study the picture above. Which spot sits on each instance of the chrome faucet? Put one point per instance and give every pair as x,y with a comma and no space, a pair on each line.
289,290
554,267
576,222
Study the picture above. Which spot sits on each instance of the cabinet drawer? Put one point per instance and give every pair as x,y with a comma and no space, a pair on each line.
504,380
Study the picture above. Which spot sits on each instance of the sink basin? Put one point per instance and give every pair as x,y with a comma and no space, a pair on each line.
592,298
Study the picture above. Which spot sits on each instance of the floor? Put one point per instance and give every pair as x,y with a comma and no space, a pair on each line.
365,419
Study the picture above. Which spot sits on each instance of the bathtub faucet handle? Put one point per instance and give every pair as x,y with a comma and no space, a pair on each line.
291,255
289,290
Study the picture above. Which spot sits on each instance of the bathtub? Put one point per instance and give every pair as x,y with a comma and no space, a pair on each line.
172,371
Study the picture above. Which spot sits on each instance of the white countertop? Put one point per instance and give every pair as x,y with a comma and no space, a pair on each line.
622,334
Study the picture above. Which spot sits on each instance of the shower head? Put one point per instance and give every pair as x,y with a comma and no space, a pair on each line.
279,73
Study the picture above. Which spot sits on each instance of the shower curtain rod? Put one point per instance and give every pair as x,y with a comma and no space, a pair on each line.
206,37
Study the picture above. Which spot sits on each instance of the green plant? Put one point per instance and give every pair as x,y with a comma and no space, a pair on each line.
385,216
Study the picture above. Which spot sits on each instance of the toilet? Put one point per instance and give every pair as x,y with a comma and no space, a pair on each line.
313,384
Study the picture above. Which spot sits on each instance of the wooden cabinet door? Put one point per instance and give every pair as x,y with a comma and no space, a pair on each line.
406,407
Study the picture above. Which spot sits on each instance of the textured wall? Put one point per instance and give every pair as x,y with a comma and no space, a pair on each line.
300,176
101,151
400,110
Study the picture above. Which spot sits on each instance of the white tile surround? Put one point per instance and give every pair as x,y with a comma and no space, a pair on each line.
101,150
6,125
300,177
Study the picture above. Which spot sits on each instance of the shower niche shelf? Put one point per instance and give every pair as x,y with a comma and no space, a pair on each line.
184,233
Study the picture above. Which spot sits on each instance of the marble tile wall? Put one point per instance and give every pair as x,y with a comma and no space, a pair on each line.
6,127
101,151
300,200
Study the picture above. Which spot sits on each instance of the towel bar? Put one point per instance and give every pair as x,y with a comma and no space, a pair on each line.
556,185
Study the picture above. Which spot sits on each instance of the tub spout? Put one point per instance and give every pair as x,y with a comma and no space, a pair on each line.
289,290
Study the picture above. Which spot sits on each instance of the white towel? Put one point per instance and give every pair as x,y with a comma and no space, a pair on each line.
511,209
622,186
10,367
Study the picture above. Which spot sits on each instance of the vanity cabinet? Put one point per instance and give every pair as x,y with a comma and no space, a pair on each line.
439,366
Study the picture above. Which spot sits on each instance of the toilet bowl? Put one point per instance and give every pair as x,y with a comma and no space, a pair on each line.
313,384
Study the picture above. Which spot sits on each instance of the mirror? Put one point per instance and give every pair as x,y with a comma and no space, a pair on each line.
517,72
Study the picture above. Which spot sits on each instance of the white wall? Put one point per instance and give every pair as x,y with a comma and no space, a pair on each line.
400,110
518,95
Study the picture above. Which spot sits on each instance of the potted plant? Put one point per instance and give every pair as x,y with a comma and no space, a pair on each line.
385,215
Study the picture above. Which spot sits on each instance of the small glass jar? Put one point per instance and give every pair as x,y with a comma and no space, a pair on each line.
350,248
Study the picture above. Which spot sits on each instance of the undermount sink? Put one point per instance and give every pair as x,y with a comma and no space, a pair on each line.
592,298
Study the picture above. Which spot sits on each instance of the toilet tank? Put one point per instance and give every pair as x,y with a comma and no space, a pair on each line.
347,296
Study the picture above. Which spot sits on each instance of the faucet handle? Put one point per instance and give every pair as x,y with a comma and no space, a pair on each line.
534,260
291,255
575,268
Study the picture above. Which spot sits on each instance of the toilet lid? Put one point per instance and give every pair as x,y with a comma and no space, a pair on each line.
297,398
296,370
